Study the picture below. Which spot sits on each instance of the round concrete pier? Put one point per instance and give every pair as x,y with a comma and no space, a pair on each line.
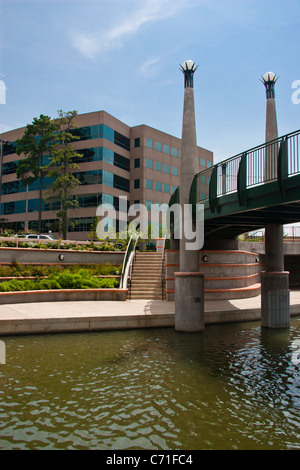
275,300
189,302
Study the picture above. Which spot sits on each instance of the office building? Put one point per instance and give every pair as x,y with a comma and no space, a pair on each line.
140,163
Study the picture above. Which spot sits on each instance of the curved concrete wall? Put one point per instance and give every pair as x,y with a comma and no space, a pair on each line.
229,274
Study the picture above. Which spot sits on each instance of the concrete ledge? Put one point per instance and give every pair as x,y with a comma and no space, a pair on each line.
62,295
83,324
87,316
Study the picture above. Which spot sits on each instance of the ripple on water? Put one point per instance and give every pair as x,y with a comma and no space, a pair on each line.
231,387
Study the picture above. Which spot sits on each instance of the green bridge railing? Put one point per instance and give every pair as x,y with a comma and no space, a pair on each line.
276,160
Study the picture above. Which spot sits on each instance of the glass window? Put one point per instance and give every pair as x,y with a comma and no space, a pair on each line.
158,166
88,132
149,184
157,186
89,200
9,148
203,162
12,187
88,177
106,132
136,184
166,188
174,152
107,199
16,207
166,149
108,178
121,183
202,179
209,164
9,168
149,143
88,155
158,146
149,163
148,205
137,163
137,142
107,155
35,185
166,168
174,171
121,162
121,140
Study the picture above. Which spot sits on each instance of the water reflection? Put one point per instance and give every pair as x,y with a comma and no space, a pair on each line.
231,387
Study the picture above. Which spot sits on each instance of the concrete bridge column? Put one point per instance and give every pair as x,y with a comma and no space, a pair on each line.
189,283
275,296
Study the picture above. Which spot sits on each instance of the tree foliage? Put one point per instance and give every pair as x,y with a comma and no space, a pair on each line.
63,161
47,146
36,144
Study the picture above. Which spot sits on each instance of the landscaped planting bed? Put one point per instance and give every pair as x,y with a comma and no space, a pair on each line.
19,277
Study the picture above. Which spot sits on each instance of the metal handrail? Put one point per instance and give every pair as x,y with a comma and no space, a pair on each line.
162,268
224,176
123,281
132,259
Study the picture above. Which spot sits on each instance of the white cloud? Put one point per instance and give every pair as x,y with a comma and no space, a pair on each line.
93,44
149,67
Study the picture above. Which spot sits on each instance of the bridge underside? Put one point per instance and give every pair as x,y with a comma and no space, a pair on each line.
261,205
233,225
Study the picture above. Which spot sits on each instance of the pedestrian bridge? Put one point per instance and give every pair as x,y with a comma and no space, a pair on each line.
250,190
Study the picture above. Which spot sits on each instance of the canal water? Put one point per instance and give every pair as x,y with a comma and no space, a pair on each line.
231,387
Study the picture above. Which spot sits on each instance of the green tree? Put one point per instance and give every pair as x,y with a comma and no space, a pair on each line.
62,163
36,143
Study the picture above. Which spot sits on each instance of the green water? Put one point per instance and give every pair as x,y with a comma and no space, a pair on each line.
230,387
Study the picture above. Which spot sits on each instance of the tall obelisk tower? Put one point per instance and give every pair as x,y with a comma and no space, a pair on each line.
189,283
275,303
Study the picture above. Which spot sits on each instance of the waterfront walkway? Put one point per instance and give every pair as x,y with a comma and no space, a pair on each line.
54,317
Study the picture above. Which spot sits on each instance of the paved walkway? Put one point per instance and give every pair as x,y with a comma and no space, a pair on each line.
50,317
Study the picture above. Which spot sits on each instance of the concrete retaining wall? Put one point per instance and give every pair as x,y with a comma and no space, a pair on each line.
41,256
62,295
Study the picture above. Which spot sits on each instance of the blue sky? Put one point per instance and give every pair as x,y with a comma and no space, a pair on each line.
123,56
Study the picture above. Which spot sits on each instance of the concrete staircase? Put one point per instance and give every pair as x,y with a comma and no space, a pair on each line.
146,279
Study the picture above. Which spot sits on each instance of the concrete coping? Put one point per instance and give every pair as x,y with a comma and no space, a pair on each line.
65,250
187,274
274,273
219,251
